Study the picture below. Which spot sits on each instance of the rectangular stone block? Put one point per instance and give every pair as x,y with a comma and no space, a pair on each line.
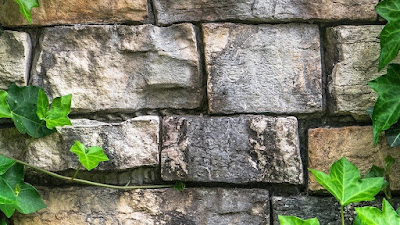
172,11
57,12
327,145
326,209
263,68
194,206
121,68
231,149
352,56
15,55
130,144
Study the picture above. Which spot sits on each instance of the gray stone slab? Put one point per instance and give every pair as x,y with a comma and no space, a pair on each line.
263,68
352,60
172,11
130,144
15,55
194,206
231,149
120,68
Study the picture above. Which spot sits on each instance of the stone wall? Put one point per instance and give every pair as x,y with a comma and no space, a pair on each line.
236,98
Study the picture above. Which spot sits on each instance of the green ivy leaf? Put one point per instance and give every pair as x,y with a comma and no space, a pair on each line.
389,162
390,35
5,164
7,195
374,216
387,107
23,105
376,171
292,220
28,198
393,135
5,111
90,158
25,7
3,221
58,114
345,184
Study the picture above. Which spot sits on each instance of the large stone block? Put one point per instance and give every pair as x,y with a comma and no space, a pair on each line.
352,60
326,209
231,149
129,144
172,11
327,145
121,68
76,12
197,206
15,55
263,68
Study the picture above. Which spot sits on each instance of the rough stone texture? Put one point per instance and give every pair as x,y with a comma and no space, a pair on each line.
76,12
352,58
263,68
121,68
151,207
15,55
130,144
231,149
326,209
172,11
326,145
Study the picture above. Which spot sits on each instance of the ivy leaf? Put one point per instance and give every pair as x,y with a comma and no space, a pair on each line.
23,105
387,107
25,7
179,186
5,111
5,164
376,171
345,184
58,114
390,35
90,158
393,135
292,220
7,195
3,221
374,216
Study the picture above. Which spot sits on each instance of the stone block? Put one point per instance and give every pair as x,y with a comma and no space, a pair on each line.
172,11
263,68
326,209
352,61
231,149
15,55
194,206
57,12
327,145
120,68
130,144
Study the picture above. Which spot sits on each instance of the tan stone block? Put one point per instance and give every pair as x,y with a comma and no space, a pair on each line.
327,145
76,12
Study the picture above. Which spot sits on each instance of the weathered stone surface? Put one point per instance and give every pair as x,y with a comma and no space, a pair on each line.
327,145
172,11
352,56
76,12
130,144
15,55
151,207
121,68
263,68
326,209
231,149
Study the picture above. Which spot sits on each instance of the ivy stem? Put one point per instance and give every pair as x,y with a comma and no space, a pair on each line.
342,214
77,170
71,179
